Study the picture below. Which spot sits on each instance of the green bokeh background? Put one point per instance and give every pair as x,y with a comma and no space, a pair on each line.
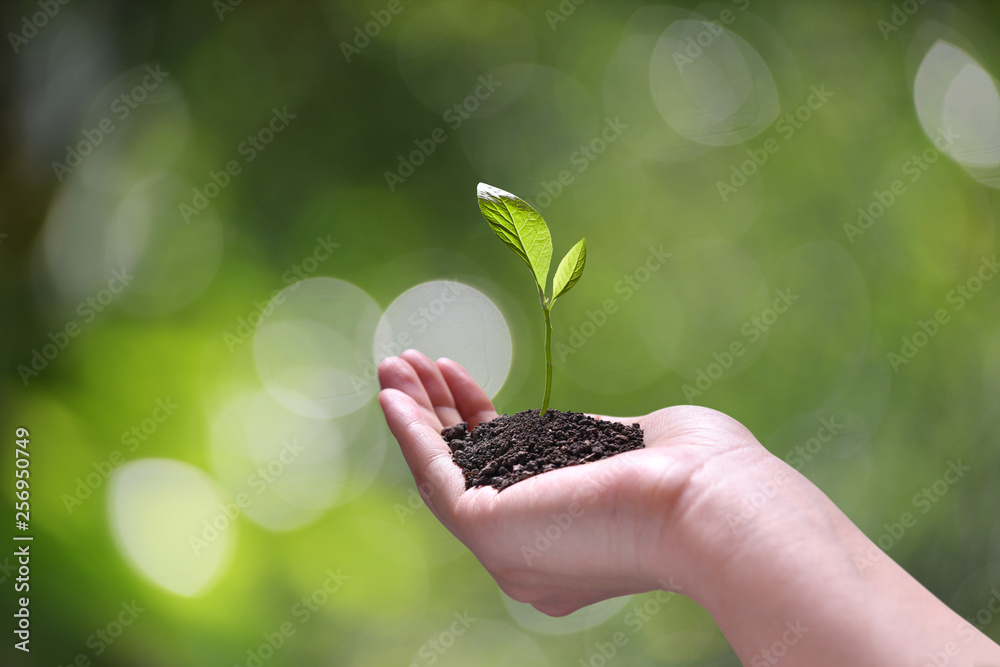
564,69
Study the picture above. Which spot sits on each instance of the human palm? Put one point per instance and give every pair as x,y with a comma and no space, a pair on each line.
572,536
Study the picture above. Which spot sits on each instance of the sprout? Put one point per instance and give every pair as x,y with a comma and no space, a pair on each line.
522,228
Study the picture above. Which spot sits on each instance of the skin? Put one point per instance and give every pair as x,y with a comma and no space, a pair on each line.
789,579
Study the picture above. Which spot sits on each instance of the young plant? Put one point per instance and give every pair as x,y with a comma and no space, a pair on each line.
522,228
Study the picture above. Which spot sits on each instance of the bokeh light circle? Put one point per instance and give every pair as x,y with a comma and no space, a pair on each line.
449,319
711,85
954,94
588,617
172,260
958,106
150,134
311,347
167,519
483,643
117,188
626,88
289,469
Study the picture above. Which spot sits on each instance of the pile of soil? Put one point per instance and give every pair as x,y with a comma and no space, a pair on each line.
514,447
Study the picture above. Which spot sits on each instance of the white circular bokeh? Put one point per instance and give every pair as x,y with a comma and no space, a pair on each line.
627,92
958,106
311,347
288,468
113,195
449,319
590,616
173,260
711,85
483,642
167,519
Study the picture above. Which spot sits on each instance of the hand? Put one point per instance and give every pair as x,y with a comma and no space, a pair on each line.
663,517
573,536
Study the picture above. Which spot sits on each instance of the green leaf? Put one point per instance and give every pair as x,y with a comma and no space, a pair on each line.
570,269
519,226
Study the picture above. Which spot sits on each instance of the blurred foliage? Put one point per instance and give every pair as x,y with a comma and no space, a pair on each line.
277,123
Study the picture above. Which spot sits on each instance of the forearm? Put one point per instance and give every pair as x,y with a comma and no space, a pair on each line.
789,578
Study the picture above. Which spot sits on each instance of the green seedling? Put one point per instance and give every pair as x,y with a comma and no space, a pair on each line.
522,228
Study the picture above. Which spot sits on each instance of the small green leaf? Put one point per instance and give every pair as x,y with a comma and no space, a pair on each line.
570,269
519,226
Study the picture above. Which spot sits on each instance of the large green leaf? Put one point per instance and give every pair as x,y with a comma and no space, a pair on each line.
519,226
570,269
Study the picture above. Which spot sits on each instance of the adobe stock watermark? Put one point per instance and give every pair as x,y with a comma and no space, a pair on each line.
414,501
786,126
586,494
752,330
258,481
696,44
87,310
626,288
435,647
417,321
952,649
249,149
752,504
372,29
770,655
130,440
915,167
602,653
246,326
453,117
223,7
300,613
102,638
120,109
924,500
579,160
926,330
988,613
7,569
899,16
562,12
810,449
30,25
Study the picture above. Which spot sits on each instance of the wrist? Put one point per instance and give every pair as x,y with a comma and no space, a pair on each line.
773,560
728,507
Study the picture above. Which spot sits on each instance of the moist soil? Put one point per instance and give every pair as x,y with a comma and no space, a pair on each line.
511,448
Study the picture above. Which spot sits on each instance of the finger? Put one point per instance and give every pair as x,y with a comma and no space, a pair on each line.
397,373
435,386
472,402
438,479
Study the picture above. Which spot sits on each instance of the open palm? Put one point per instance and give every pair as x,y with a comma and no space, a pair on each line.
572,536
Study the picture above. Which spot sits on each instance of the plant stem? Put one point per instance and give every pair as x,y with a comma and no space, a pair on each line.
548,360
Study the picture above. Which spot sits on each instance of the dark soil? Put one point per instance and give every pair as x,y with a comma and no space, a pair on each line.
515,447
